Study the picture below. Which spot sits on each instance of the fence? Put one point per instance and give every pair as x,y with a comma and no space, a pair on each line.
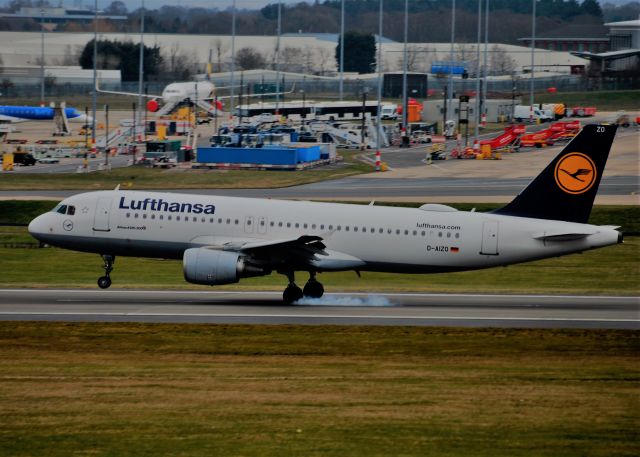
329,89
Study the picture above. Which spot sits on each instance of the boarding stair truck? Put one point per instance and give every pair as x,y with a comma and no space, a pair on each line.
342,137
167,108
564,131
60,120
522,113
538,139
372,135
508,141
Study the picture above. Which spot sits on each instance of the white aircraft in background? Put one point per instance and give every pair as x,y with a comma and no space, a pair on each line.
223,239
200,93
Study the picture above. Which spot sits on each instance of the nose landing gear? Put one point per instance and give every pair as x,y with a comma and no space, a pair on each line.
105,281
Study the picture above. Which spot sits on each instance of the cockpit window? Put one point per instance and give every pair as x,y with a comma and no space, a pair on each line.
62,209
71,210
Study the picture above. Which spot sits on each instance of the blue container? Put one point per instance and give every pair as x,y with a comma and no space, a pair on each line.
445,67
266,155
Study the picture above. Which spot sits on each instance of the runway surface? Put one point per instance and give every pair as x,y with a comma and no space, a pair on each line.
465,310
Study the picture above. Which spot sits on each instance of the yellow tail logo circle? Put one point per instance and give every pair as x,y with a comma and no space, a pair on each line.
575,173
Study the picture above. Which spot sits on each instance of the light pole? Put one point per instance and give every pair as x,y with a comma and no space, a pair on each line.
379,65
533,52
485,66
94,98
450,84
278,55
477,104
365,90
141,68
233,58
404,75
42,56
341,50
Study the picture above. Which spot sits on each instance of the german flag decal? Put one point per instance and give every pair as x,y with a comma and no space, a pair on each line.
455,249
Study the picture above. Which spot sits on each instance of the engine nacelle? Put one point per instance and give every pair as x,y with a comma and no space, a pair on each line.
212,267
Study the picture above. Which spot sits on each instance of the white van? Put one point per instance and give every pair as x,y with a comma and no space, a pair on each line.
522,113
389,111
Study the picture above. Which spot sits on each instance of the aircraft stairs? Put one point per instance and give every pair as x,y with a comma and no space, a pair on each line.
167,108
206,106
60,120
347,138
119,136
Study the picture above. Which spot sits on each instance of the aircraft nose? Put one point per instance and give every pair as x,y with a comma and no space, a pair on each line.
38,227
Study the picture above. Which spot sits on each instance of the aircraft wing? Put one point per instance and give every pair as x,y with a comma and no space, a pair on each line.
135,94
4,118
306,251
224,97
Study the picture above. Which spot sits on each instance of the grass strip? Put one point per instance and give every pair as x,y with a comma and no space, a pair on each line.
159,389
140,177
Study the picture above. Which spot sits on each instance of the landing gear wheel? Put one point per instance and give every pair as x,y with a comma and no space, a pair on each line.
313,289
104,282
291,294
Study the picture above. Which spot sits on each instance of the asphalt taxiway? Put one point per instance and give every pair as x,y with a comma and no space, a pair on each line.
465,310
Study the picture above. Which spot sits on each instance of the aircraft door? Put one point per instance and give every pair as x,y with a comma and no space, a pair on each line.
248,224
489,238
101,218
262,225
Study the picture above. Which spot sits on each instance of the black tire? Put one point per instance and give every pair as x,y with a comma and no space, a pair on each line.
104,282
291,294
313,289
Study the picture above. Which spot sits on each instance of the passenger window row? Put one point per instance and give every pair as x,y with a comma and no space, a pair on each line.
297,225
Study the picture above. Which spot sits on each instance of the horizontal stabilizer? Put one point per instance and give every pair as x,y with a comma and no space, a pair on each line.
569,236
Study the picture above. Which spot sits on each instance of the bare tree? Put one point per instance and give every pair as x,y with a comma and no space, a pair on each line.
416,57
220,49
307,59
291,59
70,57
249,59
178,64
325,56
501,63
465,53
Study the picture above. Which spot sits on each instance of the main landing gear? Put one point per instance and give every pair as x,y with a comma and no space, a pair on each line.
105,281
312,289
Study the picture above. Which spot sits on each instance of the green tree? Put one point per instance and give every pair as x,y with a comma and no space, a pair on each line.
359,52
591,7
123,56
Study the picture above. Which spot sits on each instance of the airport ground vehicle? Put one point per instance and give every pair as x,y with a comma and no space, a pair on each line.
389,112
24,158
522,113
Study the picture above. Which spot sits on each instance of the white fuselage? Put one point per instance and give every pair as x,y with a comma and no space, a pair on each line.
178,92
432,239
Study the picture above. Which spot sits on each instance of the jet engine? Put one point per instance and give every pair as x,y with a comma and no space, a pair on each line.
213,267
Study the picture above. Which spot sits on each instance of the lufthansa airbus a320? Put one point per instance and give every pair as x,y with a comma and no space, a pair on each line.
224,239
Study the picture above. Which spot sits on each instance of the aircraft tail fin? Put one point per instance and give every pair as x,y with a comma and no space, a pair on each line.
566,188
